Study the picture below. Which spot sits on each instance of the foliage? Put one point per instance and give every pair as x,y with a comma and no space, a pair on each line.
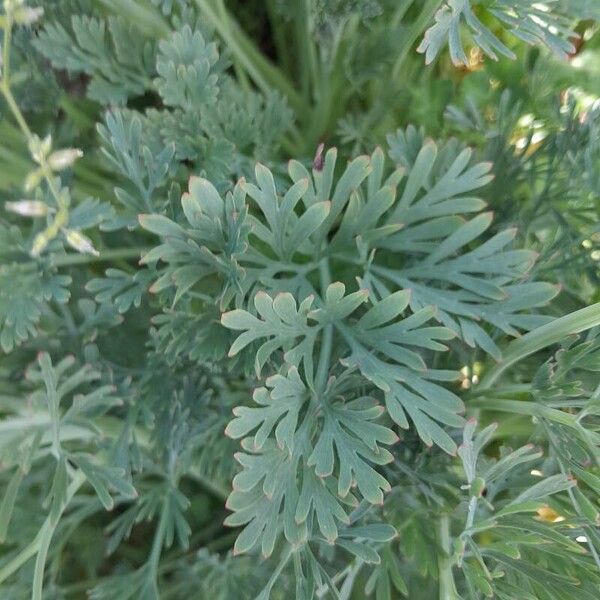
284,310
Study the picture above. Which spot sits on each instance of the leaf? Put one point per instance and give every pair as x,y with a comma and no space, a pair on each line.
111,51
126,150
280,407
376,532
184,65
403,377
283,230
282,322
9,499
468,285
361,551
546,487
264,499
212,246
26,291
348,433
104,479
120,289
527,21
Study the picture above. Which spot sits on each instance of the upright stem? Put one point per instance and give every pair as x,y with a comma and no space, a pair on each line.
415,30
65,260
159,537
62,215
325,354
540,338
447,587
43,536
264,74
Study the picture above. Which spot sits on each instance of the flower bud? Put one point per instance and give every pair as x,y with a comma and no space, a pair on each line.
12,5
27,15
478,487
63,159
80,242
39,149
39,243
33,180
28,208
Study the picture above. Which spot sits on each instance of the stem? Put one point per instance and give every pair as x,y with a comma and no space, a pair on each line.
62,214
400,12
113,427
447,587
59,260
325,354
264,595
416,29
308,62
159,538
44,533
540,338
473,502
264,74
147,18
525,407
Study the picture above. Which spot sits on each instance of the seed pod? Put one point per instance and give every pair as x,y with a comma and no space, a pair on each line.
39,148
478,487
27,208
63,159
39,243
27,15
33,180
80,242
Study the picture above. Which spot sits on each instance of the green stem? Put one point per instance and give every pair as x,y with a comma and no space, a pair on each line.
67,260
524,407
416,29
308,62
159,538
61,217
447,586
574,501
400,12
45,533
325,353
113,427
264,74
276,573
546,335
144,15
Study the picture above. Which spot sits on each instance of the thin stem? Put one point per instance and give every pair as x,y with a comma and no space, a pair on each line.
105,255
447,586
62,214
264,74
6,49
574,501
325,354
277,572
473,502
416,29
47,529
309,67
400,12
540,338
159,538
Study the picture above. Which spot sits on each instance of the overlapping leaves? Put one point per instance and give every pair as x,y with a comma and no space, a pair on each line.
320,440
531,22
288,476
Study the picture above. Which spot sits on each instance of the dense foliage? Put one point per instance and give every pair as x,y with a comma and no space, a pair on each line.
299,298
